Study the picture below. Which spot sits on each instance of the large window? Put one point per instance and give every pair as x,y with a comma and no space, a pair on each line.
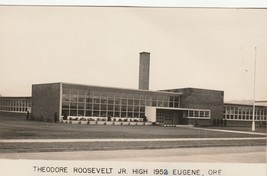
245,113
15,104
202,114
112,103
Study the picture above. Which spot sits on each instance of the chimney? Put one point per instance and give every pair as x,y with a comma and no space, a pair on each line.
144,70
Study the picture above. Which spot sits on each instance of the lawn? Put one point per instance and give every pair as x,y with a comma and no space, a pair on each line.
93,146
19,128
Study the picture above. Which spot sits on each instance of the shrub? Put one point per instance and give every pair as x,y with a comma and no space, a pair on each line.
32,118
145,118
154,123
49,119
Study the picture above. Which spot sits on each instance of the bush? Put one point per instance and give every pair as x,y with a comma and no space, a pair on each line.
32,118
154,123
49,119
145,118
125,120
39,118
76,118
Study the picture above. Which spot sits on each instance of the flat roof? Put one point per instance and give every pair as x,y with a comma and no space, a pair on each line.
186,88
247,105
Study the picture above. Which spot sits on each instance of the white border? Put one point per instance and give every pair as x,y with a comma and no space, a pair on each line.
145,3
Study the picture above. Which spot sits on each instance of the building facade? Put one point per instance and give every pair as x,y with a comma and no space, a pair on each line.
15,104
209,100
242,115
187,106
64,100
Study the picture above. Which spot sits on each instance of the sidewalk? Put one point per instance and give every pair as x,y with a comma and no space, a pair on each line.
123,140
233,131
245,154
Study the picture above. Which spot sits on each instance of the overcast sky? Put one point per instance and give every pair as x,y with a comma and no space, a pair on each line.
201,48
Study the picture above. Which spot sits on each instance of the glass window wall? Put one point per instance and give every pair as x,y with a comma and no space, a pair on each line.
235,112
110,103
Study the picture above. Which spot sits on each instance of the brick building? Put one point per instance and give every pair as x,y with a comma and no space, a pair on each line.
58,101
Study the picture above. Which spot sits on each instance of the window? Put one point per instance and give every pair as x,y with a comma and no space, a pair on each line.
190,113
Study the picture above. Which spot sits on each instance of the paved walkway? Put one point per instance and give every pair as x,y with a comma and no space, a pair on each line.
124,140
240,154
233,131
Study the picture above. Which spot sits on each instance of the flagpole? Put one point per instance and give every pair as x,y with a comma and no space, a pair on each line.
254,85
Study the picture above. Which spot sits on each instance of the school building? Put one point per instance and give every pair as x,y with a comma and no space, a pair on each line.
63,101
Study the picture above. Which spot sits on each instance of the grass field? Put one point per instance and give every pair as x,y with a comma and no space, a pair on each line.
19,128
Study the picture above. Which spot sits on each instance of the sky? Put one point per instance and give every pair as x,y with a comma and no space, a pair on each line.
205,48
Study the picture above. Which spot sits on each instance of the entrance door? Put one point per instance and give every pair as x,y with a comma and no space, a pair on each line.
171,117
165,117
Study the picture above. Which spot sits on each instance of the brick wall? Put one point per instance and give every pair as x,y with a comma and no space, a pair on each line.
202,99
45,101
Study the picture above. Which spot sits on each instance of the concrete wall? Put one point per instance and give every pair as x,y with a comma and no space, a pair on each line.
202,99
45,101
150,113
